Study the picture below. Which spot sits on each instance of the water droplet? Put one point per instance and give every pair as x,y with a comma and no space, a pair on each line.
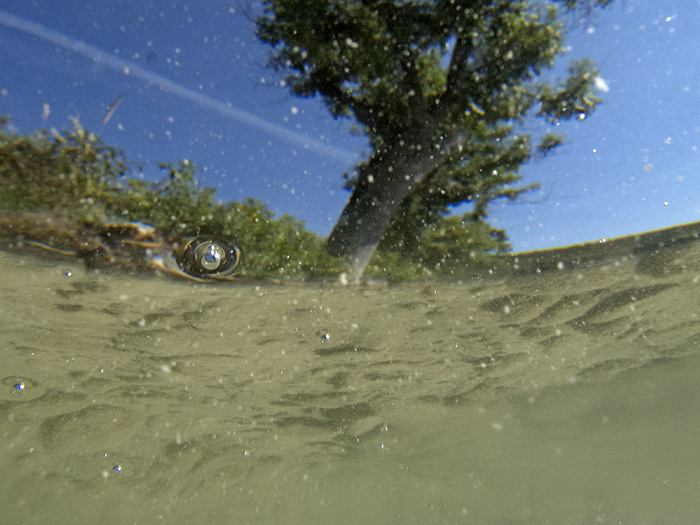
20,388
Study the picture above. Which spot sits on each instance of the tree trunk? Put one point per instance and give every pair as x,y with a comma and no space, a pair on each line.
381,187
365,217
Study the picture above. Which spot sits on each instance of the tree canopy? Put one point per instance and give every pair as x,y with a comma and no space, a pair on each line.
440,88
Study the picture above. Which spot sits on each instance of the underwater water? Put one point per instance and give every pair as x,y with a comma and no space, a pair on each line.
565,397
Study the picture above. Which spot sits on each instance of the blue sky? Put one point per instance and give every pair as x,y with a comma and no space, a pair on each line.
195,86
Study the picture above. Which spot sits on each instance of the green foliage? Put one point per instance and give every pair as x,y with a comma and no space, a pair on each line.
549,142
573,97
280,248
457,246
383,62
394,267
448,248
65,172
586,5
176,205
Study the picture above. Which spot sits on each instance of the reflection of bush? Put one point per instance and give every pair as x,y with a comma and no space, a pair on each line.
73,174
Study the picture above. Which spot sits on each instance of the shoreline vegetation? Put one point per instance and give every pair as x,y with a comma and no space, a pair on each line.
74,176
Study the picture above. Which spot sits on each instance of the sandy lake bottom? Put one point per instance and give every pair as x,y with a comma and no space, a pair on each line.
567,397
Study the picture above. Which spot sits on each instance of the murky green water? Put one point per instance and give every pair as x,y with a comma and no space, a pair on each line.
567,397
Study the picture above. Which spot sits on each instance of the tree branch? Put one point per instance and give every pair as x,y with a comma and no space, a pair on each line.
331,88
455,70
397,23
417,105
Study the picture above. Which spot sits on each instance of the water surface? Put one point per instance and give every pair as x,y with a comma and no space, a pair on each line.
567,396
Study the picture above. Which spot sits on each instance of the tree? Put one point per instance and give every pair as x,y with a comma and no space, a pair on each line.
439,87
